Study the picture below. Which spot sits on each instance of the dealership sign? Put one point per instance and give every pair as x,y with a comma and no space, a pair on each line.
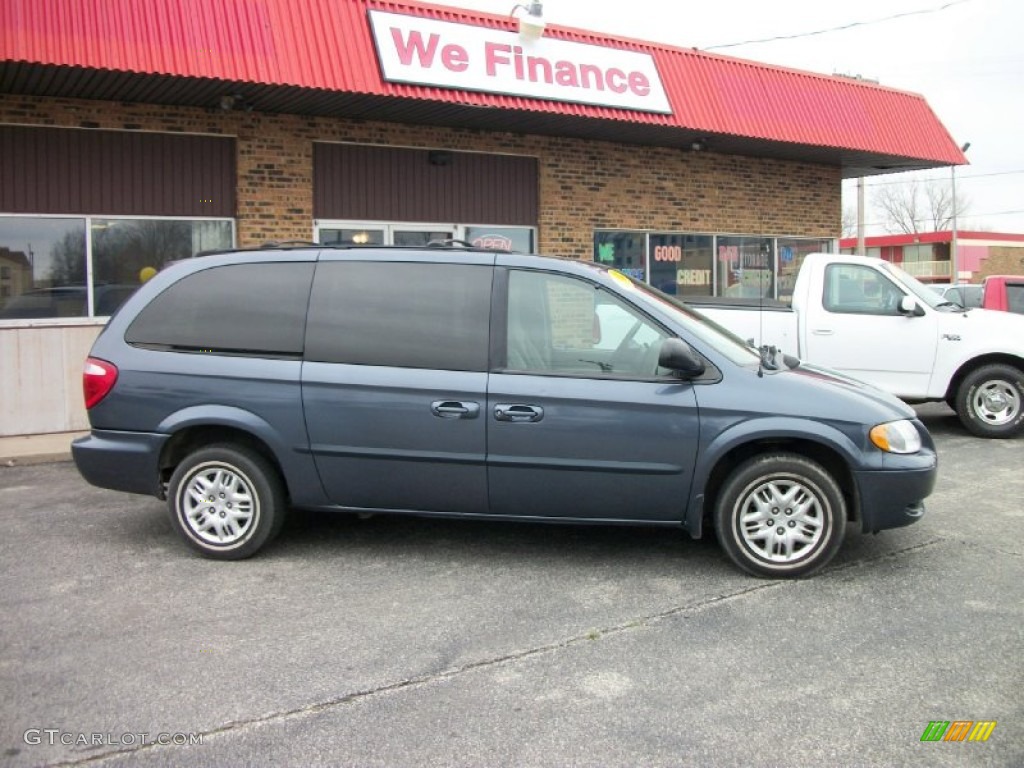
420,51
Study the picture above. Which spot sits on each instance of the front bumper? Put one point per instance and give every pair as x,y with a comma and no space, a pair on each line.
893,498
121,461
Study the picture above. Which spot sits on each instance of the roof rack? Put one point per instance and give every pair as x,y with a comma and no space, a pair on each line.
451,243
271,245
289,244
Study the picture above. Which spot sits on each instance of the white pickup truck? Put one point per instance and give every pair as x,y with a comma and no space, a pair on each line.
869,319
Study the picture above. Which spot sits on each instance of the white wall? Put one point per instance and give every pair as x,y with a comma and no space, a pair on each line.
41,378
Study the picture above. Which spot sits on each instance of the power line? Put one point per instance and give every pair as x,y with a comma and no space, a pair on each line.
961,216
841,27
959,176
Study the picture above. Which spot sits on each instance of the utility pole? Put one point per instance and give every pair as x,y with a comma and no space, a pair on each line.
860,216
954,277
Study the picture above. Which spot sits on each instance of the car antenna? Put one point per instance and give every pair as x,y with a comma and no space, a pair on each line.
760,312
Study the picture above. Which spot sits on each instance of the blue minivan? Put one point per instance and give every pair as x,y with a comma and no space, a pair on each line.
460,382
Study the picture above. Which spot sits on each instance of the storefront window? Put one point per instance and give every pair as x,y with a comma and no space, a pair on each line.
44,267
682,265
625,251
501,238
123,248
358,236
49,258
745,267
791,255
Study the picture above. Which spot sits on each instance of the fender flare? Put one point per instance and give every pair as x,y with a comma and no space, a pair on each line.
746,432
224,416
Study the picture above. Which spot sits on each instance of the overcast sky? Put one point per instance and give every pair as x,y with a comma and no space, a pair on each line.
966,57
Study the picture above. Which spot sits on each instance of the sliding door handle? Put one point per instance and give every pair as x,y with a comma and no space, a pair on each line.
454,409
517,412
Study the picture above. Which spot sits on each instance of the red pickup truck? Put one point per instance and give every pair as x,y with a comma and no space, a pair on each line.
1005,292
1001,292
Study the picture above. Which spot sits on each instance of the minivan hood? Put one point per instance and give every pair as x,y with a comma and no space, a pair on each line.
820,383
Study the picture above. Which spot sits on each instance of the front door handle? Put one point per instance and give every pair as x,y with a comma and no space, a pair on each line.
516,412
822,331
454,409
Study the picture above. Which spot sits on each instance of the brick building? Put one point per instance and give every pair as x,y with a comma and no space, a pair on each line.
136,134
926,255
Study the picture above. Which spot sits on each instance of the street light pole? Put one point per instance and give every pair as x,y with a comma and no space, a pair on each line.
953,248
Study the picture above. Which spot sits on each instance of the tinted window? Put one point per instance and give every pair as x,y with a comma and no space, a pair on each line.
400,314
745,267
238,308
42,267
625,251
681,265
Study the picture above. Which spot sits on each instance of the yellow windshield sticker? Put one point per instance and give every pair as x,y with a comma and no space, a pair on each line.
620,278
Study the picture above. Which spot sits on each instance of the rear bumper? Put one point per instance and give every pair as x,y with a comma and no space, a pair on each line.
121,461
891,499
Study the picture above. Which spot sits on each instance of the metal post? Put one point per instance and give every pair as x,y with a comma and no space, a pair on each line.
860,216
954,278
954,273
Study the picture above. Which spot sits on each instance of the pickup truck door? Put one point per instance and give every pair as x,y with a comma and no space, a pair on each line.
855,325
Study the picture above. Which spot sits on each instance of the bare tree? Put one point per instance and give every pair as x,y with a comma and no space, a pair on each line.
916,206
849,221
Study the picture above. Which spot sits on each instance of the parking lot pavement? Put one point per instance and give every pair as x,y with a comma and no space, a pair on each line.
394,641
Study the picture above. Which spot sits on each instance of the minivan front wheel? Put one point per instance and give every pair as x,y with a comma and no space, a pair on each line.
226,501
780,515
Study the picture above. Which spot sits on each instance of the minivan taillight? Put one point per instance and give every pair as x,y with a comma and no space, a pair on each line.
97,380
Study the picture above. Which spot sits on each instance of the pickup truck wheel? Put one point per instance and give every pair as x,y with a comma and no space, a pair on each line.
990,401
226,501
780,515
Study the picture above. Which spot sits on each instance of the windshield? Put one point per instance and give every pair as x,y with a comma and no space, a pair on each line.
703,328
919,289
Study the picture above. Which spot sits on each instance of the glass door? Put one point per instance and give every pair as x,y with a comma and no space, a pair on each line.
416,236
341,233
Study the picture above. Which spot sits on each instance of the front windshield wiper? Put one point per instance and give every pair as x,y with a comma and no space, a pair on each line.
769,357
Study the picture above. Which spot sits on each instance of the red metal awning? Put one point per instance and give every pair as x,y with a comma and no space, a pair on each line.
318,57
943,236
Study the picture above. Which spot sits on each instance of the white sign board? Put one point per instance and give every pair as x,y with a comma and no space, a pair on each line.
421,51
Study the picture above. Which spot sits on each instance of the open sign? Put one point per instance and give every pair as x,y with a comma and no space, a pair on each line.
493,242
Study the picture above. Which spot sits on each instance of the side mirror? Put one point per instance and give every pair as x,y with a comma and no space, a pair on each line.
679,357
909,306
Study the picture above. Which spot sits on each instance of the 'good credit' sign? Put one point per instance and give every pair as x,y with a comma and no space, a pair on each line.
412,49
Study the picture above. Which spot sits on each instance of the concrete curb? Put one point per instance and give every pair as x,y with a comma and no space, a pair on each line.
36,449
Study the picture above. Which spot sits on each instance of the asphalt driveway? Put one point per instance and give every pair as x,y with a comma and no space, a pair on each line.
393,642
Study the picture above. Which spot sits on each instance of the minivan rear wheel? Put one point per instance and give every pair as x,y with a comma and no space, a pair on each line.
226,501
780,515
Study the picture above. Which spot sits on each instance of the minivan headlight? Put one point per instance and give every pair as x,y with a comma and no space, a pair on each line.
896,437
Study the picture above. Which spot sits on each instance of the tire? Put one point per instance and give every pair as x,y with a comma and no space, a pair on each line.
990,401
780,492
226,501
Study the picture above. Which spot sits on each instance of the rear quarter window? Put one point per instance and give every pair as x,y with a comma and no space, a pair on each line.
239,308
